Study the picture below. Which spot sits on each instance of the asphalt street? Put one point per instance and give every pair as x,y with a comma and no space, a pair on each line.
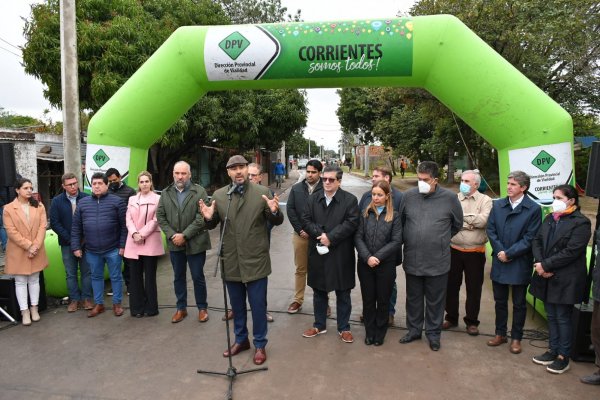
70,356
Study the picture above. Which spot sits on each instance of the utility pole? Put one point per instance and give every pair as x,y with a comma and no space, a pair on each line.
367,160
70,89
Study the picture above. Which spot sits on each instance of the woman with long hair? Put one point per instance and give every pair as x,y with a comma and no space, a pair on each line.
559,250
144,245
377,240
25,222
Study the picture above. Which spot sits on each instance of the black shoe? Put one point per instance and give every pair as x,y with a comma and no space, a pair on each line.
409,338
559,365
151,314
369,341
138,315
434,345
545,359
378,342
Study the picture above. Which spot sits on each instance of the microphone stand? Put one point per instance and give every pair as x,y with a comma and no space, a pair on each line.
231,372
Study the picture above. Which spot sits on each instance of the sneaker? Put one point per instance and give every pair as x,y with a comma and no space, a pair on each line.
312,332
545,359
346,336
294,307
559,366
109,293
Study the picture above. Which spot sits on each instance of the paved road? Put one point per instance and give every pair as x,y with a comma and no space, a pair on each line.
68,356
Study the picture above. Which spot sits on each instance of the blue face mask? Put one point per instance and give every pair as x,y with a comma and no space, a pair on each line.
465,189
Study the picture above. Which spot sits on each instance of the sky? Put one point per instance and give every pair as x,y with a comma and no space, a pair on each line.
23,94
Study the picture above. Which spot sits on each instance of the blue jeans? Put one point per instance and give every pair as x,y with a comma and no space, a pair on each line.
71,263
96,262
559,328
196,262
3,236
343,309
257,297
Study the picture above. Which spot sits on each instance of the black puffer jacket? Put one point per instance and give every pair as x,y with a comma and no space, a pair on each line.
378,238
561,248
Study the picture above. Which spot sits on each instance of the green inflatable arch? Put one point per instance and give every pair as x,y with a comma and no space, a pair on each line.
437,53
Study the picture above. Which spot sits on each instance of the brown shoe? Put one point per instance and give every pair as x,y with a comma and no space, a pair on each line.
202,315
98,309
472,330
346,337
238,348
88,304
515,346
447,325
228,316
312,332
294,307
73,306
117,310
497,341
260,356
179,316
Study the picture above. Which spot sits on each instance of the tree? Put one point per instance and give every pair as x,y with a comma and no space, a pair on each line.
115,37
554,43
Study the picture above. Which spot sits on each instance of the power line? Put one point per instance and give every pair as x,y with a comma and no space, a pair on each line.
10,44
11,52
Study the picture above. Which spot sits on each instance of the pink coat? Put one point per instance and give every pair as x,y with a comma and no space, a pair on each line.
141,218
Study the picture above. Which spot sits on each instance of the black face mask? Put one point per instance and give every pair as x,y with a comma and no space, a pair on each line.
114,186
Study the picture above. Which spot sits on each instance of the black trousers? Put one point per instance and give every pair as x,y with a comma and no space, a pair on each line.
519,299
471,265
376,286
425,300
142,287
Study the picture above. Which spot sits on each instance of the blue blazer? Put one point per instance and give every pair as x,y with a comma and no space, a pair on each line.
513,231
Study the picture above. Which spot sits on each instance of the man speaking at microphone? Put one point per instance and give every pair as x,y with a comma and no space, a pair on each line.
245,253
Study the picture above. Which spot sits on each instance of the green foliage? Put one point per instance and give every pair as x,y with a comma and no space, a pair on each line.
114,38
15,121
555,43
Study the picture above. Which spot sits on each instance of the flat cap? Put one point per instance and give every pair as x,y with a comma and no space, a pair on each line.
236,160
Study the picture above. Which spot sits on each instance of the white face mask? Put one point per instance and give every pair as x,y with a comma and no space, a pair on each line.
424,187
322,250
558,206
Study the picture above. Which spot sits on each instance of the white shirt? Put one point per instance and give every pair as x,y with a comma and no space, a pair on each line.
516,202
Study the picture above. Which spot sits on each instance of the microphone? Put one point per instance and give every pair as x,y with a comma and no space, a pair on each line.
232,189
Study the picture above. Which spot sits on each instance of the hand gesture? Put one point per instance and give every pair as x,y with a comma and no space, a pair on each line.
207,211
272,203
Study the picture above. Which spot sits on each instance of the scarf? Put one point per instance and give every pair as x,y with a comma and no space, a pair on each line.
556,215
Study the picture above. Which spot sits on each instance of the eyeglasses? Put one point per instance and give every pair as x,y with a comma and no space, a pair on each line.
252,175
329,180
70,184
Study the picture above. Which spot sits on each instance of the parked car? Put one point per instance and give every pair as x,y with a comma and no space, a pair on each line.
302,163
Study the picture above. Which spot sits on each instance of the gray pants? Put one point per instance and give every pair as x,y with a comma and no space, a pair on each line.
425,302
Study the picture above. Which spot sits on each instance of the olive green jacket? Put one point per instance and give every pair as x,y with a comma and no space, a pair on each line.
246,242
187,219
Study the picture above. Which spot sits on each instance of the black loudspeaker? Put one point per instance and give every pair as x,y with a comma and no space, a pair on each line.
8,168
8,297
581,347
592,186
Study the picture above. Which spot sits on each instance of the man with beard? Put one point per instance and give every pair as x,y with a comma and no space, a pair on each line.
245,253
183,225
